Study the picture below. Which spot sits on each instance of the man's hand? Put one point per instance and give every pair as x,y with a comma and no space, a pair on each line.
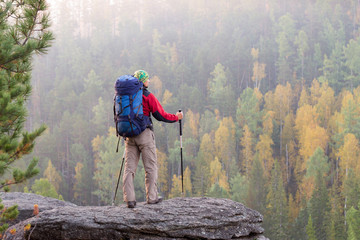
179,115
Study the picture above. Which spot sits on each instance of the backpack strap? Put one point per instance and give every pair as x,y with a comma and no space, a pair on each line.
115,120
131,100
137,108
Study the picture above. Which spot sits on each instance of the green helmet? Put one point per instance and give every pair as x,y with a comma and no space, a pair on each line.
141,75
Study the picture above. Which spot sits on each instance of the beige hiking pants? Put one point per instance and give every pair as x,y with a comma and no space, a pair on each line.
144,143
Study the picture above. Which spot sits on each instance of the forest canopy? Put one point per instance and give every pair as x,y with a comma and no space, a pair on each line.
270,91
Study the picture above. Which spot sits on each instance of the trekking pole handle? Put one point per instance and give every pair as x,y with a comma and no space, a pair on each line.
180,124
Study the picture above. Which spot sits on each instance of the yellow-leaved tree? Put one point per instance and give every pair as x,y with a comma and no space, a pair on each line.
95,144
246,143
258,68
191,125
163,178
207,148
78,177
218,175
225,143
53,176
167,97
306,116
265,153
260,98
187,182
280,103
325,105
315,92
176,187
312,138
349,155
293,209
304,98
268,125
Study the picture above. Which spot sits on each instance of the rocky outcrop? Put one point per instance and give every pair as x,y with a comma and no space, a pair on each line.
26,202
179,218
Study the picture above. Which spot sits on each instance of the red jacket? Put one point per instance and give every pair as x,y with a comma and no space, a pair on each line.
152,105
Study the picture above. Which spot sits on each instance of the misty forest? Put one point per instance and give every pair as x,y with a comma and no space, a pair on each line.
270,91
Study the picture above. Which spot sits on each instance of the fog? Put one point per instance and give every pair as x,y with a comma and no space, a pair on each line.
263,86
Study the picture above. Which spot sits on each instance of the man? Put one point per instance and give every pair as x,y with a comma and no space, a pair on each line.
144,143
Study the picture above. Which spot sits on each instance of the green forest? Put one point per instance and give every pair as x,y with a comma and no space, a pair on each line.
270,91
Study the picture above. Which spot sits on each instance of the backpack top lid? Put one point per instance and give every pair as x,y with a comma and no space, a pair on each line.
127,85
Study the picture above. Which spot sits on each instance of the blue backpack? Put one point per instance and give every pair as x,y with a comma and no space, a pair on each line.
128,109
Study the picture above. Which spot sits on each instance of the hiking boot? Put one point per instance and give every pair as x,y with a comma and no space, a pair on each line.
156,201
131,204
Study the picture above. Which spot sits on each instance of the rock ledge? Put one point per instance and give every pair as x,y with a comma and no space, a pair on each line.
178,218
26,202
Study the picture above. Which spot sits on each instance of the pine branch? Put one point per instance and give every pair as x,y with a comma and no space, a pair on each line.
19,55
28,29
9,183
13,71
20,176
7,11
31,27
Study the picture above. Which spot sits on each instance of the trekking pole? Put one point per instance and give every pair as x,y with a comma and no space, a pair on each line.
181,156
117,186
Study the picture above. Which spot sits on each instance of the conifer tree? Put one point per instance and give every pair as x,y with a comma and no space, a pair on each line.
256,196
277,215
310,231
248,111
285,39
353,220
351,190
202,166
298,228
301,42
43,187
337,228
320,208
351,233
23,32
239,188
217,191
83,171
221,93
107,167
